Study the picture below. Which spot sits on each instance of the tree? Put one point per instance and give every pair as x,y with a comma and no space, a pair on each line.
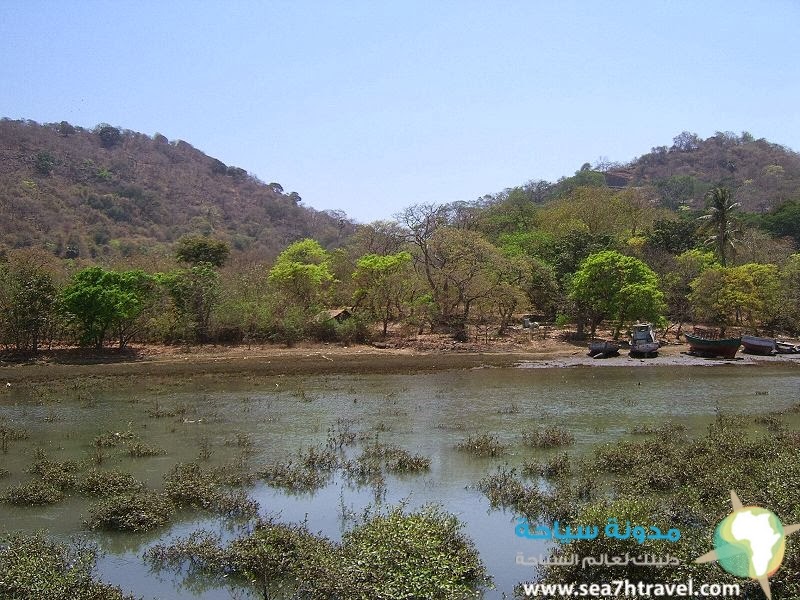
790,285
198,249
195,293
609,285
383,284
302,272
677,282
737,295
27,303
674,237
109,135
785,221
719,221
101,301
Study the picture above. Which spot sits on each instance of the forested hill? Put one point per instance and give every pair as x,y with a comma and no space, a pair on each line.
113,192
761,175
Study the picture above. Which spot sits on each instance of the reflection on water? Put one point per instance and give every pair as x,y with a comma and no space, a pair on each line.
425,413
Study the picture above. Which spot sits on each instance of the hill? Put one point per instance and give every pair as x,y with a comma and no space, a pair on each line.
762,175
109,192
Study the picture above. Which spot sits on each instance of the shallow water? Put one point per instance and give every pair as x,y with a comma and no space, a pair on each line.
424,413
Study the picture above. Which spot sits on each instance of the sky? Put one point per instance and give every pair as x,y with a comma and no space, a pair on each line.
372,106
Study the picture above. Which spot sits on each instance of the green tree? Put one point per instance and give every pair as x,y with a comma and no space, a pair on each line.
195,292
609,285
785,221
198,249
790,285
383,284
302,272
27,303
677,282
719,221
747,294
102,301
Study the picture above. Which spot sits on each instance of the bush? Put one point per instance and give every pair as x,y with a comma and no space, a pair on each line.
551,437
108,483
33,493
33,567
131,512
483,445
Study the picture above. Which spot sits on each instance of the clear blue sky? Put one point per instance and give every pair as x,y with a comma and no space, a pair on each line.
372,106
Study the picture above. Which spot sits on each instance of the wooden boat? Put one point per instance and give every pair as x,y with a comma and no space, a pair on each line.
787,348
704,344
643,340
603,349
758,345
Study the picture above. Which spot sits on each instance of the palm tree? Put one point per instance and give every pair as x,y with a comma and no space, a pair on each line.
719,220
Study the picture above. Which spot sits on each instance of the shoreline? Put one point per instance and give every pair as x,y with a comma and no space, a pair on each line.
328,360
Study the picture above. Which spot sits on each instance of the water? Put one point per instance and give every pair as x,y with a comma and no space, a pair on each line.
425,413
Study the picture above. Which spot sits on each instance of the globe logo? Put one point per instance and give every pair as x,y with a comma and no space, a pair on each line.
750,542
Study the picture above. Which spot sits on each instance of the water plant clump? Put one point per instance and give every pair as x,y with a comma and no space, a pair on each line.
484,444
550,437
140,511
60,474
292,476
33,493
686,484
9,433
108,483
505,490
422,554
139,449
33,567
190,486
112,439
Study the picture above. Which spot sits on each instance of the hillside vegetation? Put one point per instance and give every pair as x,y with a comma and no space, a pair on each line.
109,192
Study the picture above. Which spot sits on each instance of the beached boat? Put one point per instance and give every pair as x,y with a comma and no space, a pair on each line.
603,349
643,340
758,345
787,348
705,344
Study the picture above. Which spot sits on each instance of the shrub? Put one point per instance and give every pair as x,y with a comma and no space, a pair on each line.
33,493
551,437
131,512
33,567
483,444
108,483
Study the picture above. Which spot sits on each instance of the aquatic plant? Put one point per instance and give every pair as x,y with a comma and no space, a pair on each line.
33,567
550,437
141,511
685,484
32,493
504,489
483,444
9,433
111,439
108,483
422,554
190,486
292,476
139,449
60,474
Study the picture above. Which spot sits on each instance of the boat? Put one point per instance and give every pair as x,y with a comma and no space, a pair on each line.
603,349
787,348
758,345
643,340
704,343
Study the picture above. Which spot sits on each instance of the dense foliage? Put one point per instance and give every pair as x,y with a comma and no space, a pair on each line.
608,246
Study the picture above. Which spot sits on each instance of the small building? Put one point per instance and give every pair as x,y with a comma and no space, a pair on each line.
334,314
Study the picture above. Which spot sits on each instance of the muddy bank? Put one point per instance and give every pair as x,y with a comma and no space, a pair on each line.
316,360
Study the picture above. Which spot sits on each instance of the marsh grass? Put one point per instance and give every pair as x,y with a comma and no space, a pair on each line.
483,444
550,437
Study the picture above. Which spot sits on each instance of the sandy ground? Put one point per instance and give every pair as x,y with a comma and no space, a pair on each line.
425,354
